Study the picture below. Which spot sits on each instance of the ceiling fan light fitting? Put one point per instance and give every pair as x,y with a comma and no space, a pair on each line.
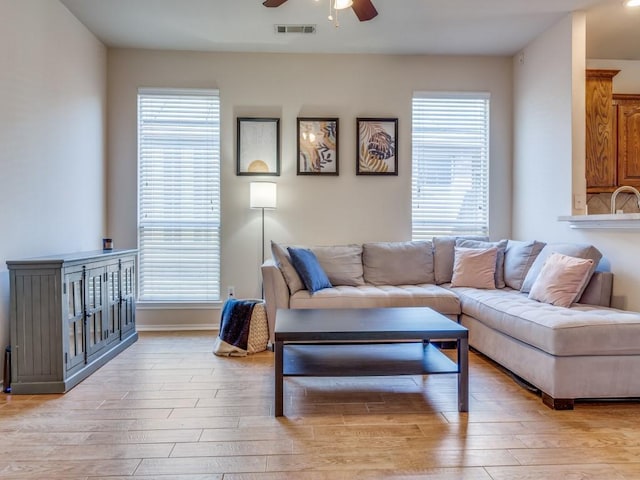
342,4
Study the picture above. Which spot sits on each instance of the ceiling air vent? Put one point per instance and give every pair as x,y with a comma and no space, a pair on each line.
295,28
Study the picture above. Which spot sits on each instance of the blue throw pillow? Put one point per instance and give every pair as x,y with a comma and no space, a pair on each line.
309,269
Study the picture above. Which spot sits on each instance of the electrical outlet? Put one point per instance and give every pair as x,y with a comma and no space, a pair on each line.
579,202
231,291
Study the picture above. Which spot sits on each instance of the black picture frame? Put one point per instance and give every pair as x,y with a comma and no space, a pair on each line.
258,146
377,146
317,146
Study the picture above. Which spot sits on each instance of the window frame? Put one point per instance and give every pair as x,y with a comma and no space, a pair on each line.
204,196
434,214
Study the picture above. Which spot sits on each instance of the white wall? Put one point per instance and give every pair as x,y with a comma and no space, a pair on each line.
627,81
311,210
543,110
547,96
52,136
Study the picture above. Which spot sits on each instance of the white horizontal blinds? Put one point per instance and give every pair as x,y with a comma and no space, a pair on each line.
179,195
450,164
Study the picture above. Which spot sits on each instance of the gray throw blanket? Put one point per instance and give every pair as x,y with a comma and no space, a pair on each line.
235,322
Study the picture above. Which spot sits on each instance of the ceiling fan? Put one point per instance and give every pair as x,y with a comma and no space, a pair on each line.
363,9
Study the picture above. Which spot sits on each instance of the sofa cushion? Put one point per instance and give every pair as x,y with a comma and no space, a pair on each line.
579,330
370,296
443,255
474,267
309,269
341,263
501,246
561,279
518,258
579,250
283,261
598,291
398,263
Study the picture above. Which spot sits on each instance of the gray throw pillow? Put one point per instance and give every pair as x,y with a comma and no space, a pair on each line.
501,246
341,263
518,258
398,263
283,261
444,254
578,250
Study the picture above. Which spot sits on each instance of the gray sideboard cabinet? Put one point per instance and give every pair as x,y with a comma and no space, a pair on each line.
69,315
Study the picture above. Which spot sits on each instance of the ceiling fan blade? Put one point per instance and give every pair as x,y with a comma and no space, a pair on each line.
364,10
273,3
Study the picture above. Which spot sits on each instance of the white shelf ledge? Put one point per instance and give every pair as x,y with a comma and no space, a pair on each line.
618,221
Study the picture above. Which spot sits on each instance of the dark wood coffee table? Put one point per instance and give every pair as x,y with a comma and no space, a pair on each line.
390,341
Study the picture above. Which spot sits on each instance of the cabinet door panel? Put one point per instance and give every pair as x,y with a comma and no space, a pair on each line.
76,339
600,161
35,300
127,296
113,303
629,144
96,313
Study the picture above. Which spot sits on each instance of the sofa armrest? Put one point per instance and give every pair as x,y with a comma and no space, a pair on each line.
276,292
598,291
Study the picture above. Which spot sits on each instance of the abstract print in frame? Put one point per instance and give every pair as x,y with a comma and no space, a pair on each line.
258,150
377,146
318,146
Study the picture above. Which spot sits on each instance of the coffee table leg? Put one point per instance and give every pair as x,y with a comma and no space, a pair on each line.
279,391
463,375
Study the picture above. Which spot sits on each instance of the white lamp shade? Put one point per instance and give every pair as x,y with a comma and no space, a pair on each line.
262,195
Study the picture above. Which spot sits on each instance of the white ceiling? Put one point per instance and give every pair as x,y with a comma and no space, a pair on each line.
445,27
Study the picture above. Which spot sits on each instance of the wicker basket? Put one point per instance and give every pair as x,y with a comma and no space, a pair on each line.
258,329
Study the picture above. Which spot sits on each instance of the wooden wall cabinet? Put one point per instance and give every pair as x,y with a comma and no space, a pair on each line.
69,315
601,154
628,136
612,134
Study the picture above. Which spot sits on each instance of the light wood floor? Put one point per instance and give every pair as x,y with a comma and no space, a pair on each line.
168,409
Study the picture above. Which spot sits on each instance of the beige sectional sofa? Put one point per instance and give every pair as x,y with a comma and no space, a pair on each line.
584,350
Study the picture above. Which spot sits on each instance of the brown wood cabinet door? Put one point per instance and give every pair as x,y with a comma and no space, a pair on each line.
600,168
629,143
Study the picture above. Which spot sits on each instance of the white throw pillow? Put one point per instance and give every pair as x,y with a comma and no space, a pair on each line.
561,280
501,246
474,267
578,250
443,256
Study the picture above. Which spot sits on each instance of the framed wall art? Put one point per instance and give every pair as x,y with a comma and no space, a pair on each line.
258,150
377,146
318,146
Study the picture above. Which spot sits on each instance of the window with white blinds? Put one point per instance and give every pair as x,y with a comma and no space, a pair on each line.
179,195
450,164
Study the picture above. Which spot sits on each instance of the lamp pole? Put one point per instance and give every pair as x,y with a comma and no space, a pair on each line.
262,234
262,195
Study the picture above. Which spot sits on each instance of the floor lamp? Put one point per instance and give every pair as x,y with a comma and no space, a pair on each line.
262,195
